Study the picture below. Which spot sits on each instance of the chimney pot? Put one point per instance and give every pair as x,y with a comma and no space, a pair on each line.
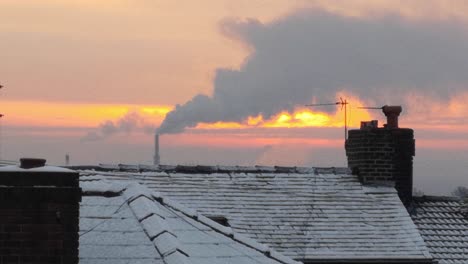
29,163
369,124
392,112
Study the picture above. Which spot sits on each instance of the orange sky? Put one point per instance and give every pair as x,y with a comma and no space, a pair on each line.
57,114
429,114
147,52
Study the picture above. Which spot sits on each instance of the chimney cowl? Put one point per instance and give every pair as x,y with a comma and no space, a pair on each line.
29,163
392,112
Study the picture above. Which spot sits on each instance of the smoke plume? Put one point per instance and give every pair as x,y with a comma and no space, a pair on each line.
313,55
132,121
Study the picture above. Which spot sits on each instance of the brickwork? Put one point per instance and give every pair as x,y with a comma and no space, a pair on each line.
383,155
39,222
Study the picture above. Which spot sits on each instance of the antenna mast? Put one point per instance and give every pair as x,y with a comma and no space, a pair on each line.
343,103
365,107
1,115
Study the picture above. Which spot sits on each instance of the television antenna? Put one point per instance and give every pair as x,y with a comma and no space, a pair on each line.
343,103
372,107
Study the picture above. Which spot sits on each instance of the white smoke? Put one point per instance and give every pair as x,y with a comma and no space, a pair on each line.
129,123
315,54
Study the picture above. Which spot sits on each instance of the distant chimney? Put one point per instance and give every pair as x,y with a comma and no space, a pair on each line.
379,155
39,209
156,158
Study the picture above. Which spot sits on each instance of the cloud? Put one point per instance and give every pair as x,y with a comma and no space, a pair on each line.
129,123
313,55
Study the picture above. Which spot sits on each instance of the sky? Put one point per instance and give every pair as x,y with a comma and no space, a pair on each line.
226,82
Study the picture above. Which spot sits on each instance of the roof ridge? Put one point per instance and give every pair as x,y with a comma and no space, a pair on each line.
154,224
98,186
213,169
227,231
438,198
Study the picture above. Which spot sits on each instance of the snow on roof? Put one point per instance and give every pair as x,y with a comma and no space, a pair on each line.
16,168
139,226
110,233
444,227
8,162
304,213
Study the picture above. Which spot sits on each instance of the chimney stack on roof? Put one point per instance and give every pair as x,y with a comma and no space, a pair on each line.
29,163
382,155
40,213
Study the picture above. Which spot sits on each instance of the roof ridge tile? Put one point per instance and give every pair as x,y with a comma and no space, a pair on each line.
435,198
220,228
142,203
269,169
143,207
102,187
178,206
331,170
285,169
134,191
199,169
176,257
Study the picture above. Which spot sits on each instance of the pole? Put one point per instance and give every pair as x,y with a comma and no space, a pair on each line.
1,115
345,120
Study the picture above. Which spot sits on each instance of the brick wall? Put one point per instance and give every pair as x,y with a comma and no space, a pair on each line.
39,217
380,155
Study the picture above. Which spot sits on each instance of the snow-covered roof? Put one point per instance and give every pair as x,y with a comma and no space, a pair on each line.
309,214
127,223
48,169
443,224
8,162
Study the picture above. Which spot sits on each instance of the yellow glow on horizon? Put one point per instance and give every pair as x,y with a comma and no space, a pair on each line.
300,117
57,114
159,110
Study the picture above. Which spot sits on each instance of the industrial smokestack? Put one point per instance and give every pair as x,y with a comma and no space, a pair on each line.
156,159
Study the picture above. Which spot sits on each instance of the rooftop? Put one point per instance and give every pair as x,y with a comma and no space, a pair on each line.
309,214
126,222
443,224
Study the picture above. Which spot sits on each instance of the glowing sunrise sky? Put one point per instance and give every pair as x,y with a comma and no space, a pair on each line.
95,79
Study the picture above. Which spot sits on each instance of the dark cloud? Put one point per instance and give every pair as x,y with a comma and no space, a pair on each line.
314,55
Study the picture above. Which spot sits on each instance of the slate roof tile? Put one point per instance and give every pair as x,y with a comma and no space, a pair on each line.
109,233
135,225
443,226
303,213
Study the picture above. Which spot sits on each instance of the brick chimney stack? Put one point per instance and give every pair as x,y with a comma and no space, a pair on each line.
383,155
39,213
